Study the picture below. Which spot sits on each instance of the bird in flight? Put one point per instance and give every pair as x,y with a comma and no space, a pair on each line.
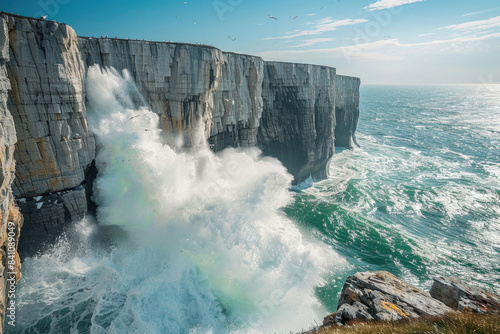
131,118
272,17
233,39
293,18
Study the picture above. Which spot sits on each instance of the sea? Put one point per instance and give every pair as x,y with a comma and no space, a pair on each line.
198,242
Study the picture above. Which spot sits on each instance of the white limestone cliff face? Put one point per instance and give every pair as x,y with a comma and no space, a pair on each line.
189,86
299,117
47,102
288,110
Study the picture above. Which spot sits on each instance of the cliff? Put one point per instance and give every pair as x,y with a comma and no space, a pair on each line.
10,218
190,86
298,118
295,112
346,110
54,145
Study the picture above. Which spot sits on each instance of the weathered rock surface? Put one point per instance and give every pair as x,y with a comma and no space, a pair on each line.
298,119
10,218
190,86
463,297
48,216
46,99
47,102
382,296
346,110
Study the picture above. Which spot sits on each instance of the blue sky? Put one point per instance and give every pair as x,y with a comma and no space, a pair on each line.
383,42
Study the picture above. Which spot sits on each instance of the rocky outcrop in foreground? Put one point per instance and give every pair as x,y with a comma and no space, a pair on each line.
381,296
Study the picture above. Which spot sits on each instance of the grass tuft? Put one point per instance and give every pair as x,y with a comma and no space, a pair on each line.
454,323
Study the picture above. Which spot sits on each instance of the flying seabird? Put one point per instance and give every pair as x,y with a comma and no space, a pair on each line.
131,118
43,17
233,39
293,18
272,17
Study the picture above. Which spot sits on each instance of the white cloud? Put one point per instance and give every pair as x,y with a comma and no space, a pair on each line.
311,42
322,26
311,14
389,49
428,34
494,22
480,12
454,41
384,4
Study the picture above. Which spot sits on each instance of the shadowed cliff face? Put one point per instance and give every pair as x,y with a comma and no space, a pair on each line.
346,110
287,110
298,117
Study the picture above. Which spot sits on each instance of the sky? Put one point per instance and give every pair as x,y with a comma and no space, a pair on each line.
382,42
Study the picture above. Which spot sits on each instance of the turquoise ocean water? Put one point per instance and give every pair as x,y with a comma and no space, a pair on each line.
421,198
218,244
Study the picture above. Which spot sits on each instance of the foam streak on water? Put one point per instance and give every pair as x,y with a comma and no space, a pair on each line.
206,247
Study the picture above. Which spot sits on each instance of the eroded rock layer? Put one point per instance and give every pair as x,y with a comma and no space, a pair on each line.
47,102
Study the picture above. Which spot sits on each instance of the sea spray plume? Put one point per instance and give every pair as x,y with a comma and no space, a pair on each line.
226,205
210,249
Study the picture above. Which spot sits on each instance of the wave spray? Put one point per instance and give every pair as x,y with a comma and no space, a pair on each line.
205,248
